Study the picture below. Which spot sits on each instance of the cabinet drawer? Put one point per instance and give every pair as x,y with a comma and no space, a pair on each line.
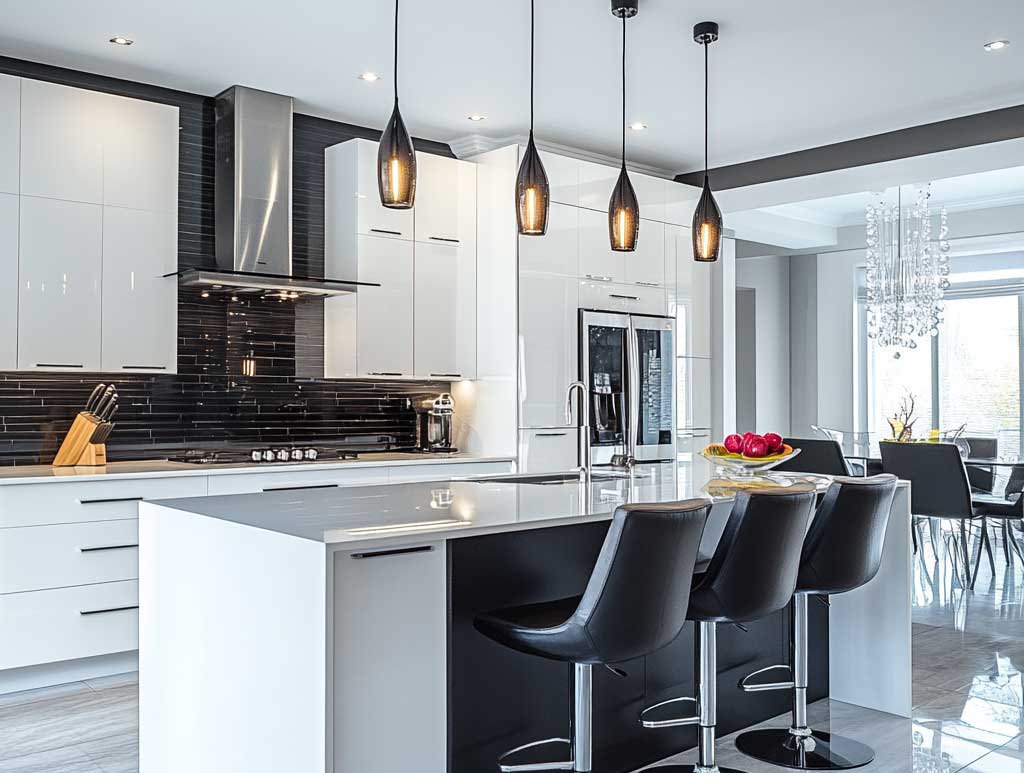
629,299
41,557
51,625
256,482
447,471
548,450
39,504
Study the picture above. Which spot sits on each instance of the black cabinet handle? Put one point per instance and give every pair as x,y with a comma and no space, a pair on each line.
446,375
382,373
625,297
143,367
443,239
85,612
551,434
300,488
108,501
57,365
385,231
395,552
107,547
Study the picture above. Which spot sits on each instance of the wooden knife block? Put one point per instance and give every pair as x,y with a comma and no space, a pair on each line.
76,449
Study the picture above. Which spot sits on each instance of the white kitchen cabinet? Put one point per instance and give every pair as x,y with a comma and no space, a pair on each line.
389,650
596,183
60,269
353,199
257,482
9,205
689,443
556,252
445,472
645,266
62,141
445,311
548,450
140,158
689,296
626,299
693,393
140,305
563,176
385,314
598,261
548,332
680,202
10,133
650,195
445,210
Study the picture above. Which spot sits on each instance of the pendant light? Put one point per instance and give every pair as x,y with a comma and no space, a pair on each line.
623,208
707,219
533,194
396,159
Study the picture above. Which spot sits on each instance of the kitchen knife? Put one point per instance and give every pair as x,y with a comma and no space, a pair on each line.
104,402
97,393
102,432
111,409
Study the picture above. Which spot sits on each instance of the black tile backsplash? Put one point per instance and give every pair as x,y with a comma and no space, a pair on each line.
209,404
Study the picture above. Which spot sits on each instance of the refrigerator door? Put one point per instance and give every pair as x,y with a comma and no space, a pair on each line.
652,388
604,368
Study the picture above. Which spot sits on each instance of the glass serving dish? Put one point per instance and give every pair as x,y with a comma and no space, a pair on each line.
739,466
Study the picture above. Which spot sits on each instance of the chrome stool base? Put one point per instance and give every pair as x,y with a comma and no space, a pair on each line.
693,769
818,751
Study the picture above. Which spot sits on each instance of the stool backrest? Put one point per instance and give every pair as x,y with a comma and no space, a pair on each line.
753,571
938,479
824,457
843,548
635,601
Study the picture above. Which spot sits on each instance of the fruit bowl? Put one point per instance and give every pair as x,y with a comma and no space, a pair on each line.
741,465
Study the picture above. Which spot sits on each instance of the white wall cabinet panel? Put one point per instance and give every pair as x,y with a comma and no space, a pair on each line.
10,133
385,313
563,176
140,159
650,194
60,269
689,295
693,407
9,205
548,450
353,198
62,138
557,251
596,183
140,306
598,260
680,201
445,311
445,210
646,265
627,299
548,325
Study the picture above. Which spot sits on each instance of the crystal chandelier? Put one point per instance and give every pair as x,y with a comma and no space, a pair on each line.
907,272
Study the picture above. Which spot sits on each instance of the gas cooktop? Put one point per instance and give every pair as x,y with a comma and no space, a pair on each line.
269,455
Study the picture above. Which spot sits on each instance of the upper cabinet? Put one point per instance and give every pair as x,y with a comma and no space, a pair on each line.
645,266
10,133
557,252
598,261
354,198
384,318
596,183
650,194
8,281
445,312
689,294
140,159
563,177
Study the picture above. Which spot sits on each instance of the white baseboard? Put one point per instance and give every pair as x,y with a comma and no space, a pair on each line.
49,674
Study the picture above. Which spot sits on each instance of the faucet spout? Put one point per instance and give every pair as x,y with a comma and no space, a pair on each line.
582,423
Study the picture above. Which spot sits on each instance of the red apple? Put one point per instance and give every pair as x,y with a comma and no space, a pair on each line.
734,444
748,435
756,447
749,440
774,441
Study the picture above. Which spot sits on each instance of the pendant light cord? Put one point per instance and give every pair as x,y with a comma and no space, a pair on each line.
531,65
705,109
623,91
396,52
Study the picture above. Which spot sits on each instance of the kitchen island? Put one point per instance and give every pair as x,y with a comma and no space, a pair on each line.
331,630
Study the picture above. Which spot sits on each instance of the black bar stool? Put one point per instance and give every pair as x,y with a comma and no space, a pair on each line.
751,575
842,552
634,604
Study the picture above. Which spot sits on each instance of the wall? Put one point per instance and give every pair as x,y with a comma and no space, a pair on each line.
207,404
746,359
803,344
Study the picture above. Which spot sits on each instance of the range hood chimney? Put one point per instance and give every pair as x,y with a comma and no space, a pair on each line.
253,201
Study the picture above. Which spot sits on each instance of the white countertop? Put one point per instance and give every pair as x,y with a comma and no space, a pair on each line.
366,515
44,473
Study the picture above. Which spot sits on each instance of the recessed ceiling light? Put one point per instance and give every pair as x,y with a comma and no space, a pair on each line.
477,117
997,45
638,126
369,77
118,40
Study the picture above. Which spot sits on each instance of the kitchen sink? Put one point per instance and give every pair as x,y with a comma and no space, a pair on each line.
549,479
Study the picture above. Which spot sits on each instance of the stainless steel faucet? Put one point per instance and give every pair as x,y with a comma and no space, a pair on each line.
582,423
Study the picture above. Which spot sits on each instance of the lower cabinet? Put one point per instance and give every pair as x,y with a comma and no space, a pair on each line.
548,450
256,482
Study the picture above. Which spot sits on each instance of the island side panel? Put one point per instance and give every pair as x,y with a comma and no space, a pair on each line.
231,647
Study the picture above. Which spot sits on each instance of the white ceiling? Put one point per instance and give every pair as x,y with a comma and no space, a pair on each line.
786,75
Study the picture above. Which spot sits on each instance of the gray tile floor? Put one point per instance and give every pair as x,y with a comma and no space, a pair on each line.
968,695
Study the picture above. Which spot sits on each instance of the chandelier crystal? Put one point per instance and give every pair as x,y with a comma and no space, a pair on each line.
907,271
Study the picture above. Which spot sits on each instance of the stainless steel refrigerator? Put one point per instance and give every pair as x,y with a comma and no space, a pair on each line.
627,362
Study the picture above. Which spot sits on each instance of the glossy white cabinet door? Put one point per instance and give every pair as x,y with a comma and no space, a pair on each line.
62,138
597,259
650,194
693,392
444,188
445,312
8,281
689,295
385,313
563,176
372,217
556,252
596,183
10,133
645,266
59,266
689,443
680,201
625,299
140,159
548,450
140,305
548,332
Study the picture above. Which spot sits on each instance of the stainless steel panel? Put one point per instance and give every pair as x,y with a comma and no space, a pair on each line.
641,450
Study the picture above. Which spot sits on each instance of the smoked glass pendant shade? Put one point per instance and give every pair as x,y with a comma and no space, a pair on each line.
623,215
533,195
396,165
707,227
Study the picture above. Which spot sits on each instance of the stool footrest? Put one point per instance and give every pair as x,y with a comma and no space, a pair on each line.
530,758
745,686
647,721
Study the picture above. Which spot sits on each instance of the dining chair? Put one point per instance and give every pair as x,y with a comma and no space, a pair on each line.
982,477
939,488
824,457
1007,509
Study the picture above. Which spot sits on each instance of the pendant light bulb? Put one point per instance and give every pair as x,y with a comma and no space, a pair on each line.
396,157
623,207
533,193
707,217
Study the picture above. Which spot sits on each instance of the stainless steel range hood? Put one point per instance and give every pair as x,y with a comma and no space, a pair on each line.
253,202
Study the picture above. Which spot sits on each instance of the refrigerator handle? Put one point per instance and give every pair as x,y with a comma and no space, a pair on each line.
633,423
